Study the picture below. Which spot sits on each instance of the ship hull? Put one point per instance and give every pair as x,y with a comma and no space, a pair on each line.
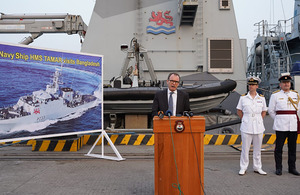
52,110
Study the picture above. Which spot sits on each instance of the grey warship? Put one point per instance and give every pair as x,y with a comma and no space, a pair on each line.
53,103
275,51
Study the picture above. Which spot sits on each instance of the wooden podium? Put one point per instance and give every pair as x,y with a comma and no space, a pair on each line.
190,180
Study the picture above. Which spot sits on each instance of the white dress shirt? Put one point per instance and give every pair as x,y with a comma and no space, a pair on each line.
252,121
174,96
279,101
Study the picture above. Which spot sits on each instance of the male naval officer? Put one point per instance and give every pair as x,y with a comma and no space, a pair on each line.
171,99
283,108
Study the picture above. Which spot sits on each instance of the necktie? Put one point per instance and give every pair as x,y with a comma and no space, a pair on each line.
171,102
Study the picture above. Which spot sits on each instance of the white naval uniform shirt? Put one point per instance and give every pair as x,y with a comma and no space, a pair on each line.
279,101
252,121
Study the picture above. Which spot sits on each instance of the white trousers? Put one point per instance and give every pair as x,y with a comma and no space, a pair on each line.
246,144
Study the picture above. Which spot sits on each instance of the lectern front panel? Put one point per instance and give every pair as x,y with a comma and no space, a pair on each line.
188,160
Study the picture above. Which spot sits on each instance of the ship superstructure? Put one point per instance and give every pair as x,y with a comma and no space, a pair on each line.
276,50
189,37
184,36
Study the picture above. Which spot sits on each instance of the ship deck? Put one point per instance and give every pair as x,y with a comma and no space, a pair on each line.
27,172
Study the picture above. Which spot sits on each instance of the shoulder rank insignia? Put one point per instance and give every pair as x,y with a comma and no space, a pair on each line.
294,91
261,95
276,91
244,94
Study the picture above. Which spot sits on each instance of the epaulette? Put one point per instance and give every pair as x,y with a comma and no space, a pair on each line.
261,95
276,91
294,91
244,94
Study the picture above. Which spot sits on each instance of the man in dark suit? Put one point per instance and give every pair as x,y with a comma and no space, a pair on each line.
171,99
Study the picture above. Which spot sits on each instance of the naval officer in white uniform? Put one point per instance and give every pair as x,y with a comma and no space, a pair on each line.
283,108
252,109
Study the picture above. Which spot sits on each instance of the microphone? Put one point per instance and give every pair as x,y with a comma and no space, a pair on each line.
169,113
187,113
160,114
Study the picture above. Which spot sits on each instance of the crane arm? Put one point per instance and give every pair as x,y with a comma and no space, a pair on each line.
37,24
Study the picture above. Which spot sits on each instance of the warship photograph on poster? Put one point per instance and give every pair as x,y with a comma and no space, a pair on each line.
48,92
51,104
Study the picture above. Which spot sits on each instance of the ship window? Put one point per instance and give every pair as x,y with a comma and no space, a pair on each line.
224,4
220,57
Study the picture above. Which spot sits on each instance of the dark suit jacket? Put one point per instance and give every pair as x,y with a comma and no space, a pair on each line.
160,102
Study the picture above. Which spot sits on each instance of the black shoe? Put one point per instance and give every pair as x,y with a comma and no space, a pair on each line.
278,172
294,172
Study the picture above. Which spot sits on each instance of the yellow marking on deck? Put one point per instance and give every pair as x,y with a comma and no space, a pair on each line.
272,139
45,145
60,145
233,139
74,146
220,140
139,139
31,142
267,147
113,138
151,141
100,140
126,139
86,139
207,138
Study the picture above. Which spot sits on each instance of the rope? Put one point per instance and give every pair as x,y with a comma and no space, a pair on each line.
5,145
174,185
196,155
294,103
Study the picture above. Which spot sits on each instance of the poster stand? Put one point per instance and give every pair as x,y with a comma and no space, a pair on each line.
102,135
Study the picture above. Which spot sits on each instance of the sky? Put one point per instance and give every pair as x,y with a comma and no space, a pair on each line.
248,12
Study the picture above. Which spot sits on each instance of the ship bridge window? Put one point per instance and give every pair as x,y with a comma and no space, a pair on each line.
220,55
224,4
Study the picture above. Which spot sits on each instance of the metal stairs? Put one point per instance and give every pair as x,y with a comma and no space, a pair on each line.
187,10
270,57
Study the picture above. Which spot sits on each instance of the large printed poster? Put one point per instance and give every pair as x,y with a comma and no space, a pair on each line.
47,93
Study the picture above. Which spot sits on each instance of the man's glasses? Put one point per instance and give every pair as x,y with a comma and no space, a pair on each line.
175,82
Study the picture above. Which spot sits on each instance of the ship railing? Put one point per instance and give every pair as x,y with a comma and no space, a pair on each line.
12,113
286,26
283,26
264,29
261,28
278,63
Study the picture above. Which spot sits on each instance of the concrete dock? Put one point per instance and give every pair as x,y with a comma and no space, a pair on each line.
23,171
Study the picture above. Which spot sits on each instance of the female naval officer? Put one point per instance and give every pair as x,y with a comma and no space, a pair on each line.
252,109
